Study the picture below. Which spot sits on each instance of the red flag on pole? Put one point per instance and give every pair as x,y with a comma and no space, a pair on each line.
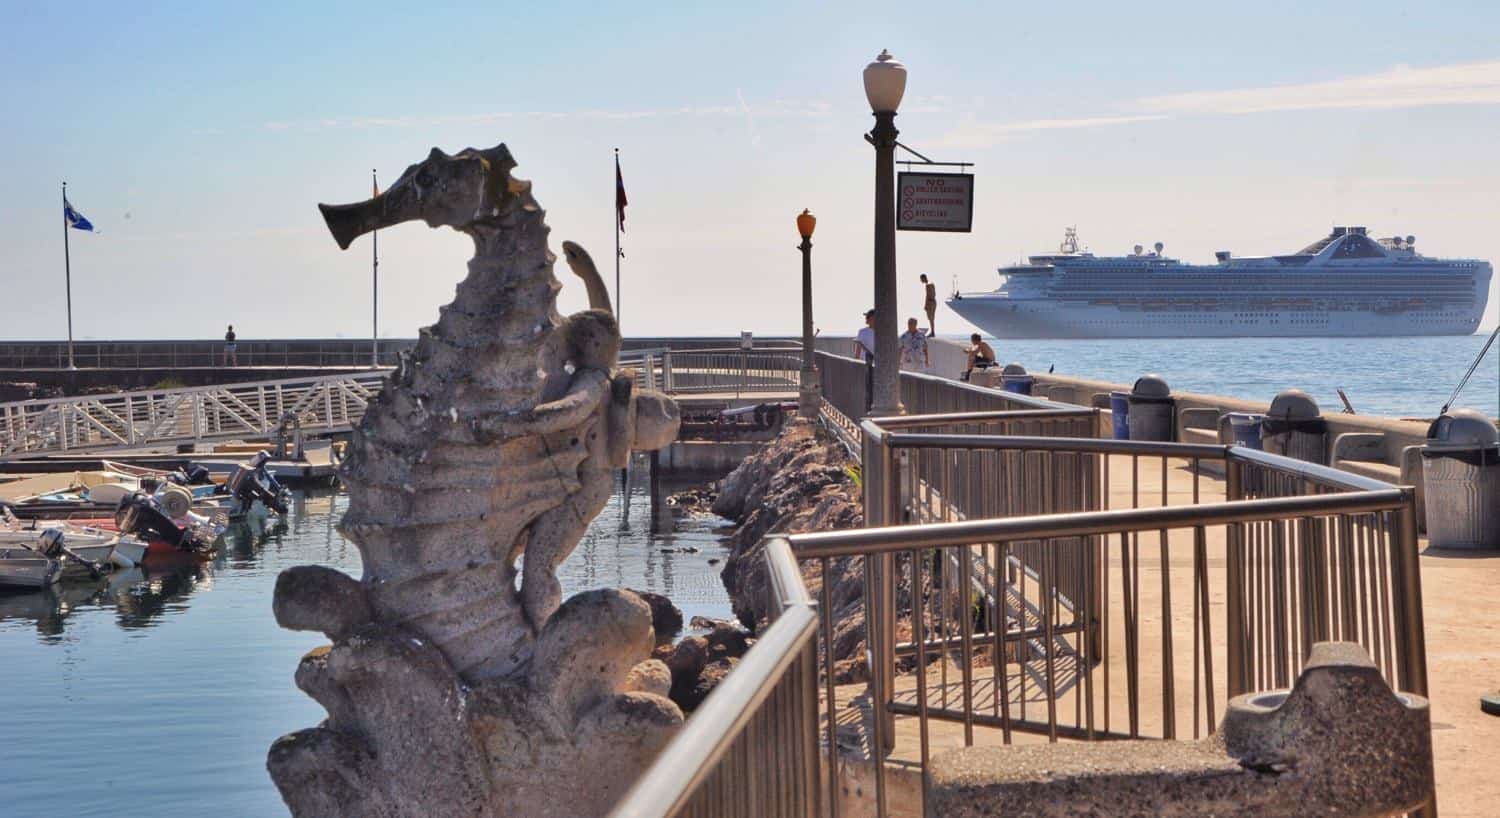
620,200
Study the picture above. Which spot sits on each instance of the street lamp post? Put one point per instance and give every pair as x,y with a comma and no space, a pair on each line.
885,82
810,396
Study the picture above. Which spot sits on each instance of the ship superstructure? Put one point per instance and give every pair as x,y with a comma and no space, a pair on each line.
1348,283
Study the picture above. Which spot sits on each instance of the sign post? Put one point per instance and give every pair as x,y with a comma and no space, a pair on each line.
935,202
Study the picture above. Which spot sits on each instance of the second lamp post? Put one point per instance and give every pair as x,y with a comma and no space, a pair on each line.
885,83
810,395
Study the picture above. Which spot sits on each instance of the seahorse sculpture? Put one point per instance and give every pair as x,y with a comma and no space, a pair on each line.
448,691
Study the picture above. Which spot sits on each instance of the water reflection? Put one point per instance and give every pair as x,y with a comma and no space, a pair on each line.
637,542
142,595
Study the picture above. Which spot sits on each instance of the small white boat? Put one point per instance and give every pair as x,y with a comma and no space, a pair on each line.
29,573
95,545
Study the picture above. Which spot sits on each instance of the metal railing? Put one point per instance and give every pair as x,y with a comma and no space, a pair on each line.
201,354
1045,581
324,404
291,352
1005,549
731,369
751,749
164,416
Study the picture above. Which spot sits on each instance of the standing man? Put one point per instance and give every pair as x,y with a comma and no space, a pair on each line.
864,349
914,348
930,304
231,358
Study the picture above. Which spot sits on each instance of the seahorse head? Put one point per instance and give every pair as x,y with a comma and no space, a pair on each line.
459,191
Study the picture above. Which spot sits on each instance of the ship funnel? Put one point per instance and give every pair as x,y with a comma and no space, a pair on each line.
1222,256
1138,249
1159,247
1410,240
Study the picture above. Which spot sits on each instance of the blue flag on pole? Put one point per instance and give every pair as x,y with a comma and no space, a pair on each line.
76,219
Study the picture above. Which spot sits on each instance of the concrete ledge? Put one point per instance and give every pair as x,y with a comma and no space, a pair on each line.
705,457
1210,436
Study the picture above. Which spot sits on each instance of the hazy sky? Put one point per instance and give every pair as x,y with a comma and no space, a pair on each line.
199,137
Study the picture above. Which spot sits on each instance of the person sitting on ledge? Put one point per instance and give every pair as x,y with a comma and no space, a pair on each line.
980,355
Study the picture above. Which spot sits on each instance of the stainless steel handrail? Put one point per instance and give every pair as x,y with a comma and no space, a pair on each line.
894,539
1061,410
1311,471
691,758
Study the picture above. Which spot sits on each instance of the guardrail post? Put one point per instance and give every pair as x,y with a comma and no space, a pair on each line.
1234,592
1412,632
666,371
881,509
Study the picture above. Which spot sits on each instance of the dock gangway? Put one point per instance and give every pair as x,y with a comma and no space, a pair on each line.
159,417
324,404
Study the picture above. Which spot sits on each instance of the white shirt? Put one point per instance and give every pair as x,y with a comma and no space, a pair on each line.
866,340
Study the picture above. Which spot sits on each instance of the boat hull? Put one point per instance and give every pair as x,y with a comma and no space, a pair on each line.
26,573
1026,318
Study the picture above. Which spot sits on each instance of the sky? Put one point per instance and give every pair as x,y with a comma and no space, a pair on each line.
198,138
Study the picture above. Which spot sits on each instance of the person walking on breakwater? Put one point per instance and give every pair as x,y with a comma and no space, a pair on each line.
231,357
929,304
914,348
864,349
981,356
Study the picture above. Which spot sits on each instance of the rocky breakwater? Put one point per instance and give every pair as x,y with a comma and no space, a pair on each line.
800,482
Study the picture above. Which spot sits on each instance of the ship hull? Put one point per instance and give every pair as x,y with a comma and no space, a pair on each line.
1022,318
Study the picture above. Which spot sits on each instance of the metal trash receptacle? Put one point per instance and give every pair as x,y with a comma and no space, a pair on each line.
1461,470
1119,413
1151,409
1244,428
1295,427
1014,379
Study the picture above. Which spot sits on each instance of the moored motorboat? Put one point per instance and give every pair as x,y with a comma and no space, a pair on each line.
95,545
29,572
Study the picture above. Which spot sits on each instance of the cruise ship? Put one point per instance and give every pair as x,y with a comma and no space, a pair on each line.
1346,284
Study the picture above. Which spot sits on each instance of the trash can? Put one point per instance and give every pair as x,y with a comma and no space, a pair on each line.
1294,427
1119,410
1461,469
1244,427
1014,379
1151,409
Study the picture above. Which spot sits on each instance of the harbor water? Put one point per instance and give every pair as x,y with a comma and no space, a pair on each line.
1391,377
158,694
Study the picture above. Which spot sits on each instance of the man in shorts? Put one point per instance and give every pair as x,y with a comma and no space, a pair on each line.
929,304
981,356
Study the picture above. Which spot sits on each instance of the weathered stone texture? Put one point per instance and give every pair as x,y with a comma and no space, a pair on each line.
449,691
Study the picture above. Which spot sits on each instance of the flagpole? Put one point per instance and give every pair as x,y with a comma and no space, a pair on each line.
68,275
617,242
374,287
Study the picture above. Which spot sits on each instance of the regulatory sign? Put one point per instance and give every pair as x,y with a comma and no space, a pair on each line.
935,201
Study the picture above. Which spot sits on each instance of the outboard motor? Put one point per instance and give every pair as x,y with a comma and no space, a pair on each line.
50,543
139,515
190,475
255,482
